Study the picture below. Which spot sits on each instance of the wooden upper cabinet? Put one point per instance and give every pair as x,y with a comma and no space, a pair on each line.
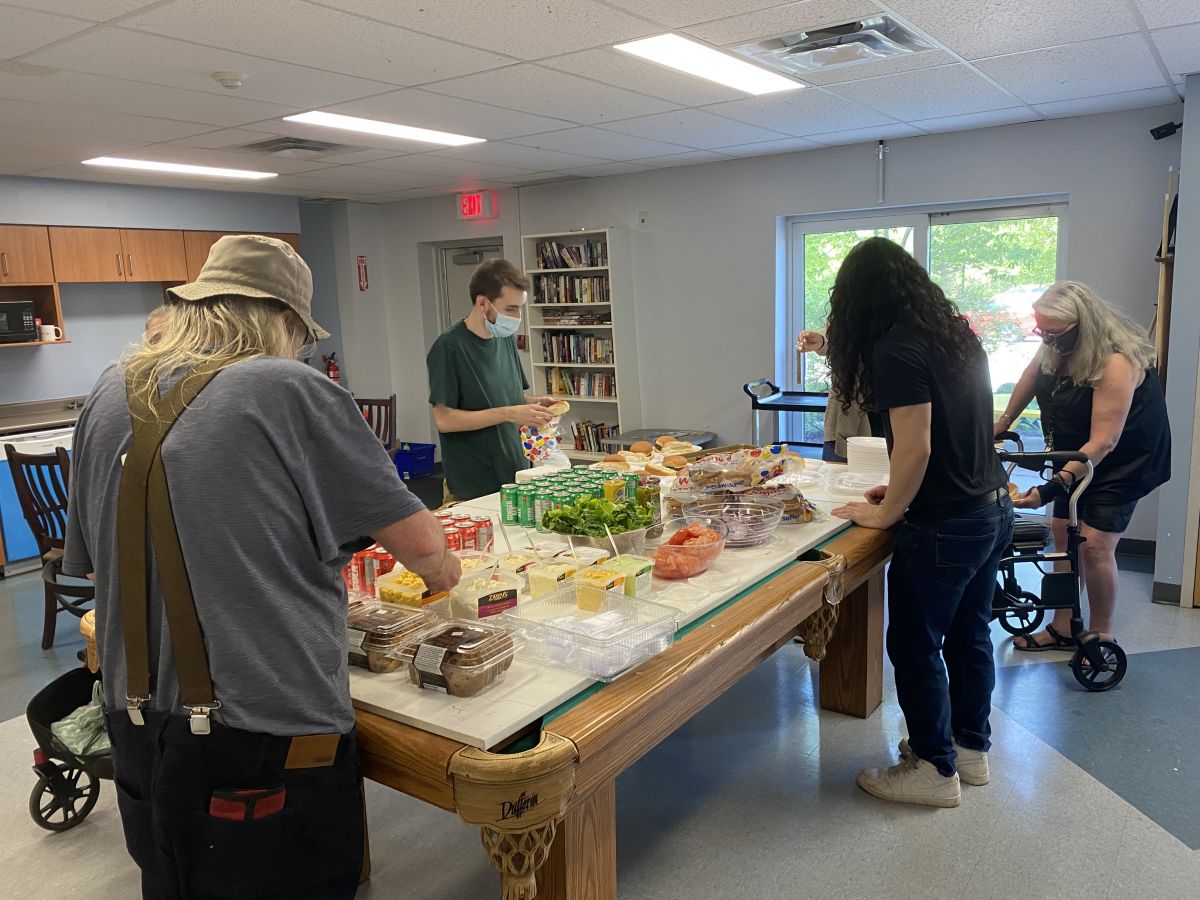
198,243
25,255
152,255
87,254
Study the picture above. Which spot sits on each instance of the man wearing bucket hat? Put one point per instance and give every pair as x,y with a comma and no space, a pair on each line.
218,488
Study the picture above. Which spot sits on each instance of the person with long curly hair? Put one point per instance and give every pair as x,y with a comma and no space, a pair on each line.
897,345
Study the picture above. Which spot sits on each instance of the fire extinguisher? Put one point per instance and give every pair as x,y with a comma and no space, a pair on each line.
332,369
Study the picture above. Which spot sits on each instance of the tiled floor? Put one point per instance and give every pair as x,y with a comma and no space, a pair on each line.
754,797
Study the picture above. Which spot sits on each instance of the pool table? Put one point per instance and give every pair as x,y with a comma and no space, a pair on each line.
546,803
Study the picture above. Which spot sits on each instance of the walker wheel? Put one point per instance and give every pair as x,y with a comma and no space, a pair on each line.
1021,615
63,803
1105,677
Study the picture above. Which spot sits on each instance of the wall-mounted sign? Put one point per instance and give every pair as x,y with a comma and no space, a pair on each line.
476,205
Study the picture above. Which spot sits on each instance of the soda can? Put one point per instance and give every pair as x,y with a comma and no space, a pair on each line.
541,506
444,515
509,509
356,573
525,498
370,573
454,539
485,534
631,486
469,533
384,562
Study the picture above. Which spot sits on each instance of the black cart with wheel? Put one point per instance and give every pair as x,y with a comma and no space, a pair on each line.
68,785
1098,665
764,395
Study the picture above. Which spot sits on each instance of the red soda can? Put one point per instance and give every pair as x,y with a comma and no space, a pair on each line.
445,515
370,573
470,535
358,573
485,535
453,537
384,562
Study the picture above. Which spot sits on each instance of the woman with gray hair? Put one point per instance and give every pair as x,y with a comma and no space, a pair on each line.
1099,393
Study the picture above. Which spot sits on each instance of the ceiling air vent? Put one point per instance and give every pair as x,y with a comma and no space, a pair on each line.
294,148
865,40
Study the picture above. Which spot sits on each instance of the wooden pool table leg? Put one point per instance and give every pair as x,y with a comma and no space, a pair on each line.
851,675
583,858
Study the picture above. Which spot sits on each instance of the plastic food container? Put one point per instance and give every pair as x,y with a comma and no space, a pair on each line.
375,634
638,572
481,594
473,561
515,563
602,643
586,554
626,541
458,658
547,578
593,583
401,587
751,523
684,560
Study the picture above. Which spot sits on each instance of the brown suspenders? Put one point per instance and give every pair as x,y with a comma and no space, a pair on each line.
144,499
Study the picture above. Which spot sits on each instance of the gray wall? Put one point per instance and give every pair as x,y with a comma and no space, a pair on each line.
316,246
103,318
1179,505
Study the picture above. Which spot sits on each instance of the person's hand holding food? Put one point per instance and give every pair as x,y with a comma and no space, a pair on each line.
810,341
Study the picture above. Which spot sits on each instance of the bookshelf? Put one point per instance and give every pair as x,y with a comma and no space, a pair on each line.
581,332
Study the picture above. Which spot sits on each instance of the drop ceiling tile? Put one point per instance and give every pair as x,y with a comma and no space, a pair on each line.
925,59
612,168
866,135
93,122
980,28
419,107
1179,48
320,37
367,143
157,60
798,113
31,149
1086,106
27,29
527,29
770,148
1103,66
692,158
779,20
540,178
925,93
371,179
602,144
255,162
625,71
678,13
544,92
430,164
531,159
1163,13
978,120
694,128
92,10
77,172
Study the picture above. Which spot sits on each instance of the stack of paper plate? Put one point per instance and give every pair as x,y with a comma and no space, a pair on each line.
867,455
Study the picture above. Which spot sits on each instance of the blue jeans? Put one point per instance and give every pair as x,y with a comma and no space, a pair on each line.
940,587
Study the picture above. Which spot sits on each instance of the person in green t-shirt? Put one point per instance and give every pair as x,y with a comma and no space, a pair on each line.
477,386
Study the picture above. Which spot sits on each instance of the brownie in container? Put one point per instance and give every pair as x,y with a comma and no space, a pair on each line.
459,657
375,634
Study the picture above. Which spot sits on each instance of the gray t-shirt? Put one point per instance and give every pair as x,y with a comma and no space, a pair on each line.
275,479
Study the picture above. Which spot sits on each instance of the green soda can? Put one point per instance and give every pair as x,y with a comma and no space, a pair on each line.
541,506
510,513
525,506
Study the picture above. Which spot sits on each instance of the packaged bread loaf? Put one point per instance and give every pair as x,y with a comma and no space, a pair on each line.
738,471
459,658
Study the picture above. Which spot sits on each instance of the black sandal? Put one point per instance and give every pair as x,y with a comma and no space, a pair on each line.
1032,646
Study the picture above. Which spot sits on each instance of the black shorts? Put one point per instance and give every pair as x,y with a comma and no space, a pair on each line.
1099,512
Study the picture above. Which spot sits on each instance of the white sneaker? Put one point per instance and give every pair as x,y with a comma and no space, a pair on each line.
913,780
972,764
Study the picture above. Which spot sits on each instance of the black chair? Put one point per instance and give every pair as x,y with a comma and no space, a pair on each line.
42,489
381,416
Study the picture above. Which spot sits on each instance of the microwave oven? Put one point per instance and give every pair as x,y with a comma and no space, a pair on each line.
17,322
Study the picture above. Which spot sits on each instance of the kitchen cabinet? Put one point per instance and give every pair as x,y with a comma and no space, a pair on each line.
25,255
198,243
117,254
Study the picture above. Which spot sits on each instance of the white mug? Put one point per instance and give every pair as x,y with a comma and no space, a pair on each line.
51,333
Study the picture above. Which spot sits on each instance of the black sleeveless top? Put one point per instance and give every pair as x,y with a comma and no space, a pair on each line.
1139,463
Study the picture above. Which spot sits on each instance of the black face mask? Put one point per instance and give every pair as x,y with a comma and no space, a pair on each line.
1063,343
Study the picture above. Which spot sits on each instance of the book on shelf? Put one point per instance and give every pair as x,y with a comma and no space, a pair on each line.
576,318
573,347
571,383
570,289
558,255
590,436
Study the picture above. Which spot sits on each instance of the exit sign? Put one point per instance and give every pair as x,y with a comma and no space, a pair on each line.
477,205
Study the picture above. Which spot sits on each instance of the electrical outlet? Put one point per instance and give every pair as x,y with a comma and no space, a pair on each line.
643,219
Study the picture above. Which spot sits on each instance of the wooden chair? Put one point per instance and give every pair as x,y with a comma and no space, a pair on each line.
41,483
381,416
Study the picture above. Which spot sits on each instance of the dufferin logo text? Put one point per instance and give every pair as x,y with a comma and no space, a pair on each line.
514,809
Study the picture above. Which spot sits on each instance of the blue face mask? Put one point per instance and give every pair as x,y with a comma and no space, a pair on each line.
504,326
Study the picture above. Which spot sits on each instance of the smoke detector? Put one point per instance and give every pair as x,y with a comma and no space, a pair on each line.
834,46
231,81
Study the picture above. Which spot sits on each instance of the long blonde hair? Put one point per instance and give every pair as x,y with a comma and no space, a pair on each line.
1103,331
216,333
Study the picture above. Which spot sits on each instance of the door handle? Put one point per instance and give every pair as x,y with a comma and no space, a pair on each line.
120,270
130,258
4,263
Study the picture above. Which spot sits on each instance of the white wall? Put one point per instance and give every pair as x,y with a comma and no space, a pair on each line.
708,264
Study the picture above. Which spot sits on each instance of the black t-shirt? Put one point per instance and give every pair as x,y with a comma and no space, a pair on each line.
962,460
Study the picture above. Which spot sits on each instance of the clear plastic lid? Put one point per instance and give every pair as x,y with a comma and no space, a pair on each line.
389,625
481,594
475,561
459,657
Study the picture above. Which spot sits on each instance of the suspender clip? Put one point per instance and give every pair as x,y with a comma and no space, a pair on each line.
134,708
200,723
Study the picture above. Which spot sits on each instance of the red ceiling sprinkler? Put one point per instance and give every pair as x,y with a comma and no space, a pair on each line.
332,369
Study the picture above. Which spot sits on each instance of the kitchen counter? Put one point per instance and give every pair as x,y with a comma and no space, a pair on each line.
42,414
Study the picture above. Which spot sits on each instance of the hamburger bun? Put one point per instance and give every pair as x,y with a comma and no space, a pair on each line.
675,448
675,463
663,441
1013,491
561,408
613,458
661,471
644,448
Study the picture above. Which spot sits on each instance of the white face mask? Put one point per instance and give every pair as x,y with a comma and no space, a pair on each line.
504,326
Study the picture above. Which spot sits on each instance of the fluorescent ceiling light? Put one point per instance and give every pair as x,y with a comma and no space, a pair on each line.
702,61
386,129
176,168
